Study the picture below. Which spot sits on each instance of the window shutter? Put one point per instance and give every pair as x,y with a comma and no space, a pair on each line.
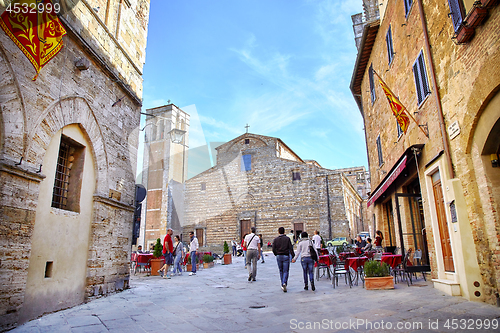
456,13
407,6
416,74
372,83
379,151
420,74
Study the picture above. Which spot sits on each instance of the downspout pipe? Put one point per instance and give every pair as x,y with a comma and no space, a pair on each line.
444,135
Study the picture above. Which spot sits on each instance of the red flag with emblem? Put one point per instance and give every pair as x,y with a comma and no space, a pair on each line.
34,27
397,108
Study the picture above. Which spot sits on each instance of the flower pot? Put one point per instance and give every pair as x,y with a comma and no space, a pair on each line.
489,3
189,267
374,283
228,259
156,264
476,16
208,264
464,34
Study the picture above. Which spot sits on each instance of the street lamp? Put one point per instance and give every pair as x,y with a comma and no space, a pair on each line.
176,135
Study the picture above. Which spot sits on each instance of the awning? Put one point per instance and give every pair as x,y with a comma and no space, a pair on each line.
388,181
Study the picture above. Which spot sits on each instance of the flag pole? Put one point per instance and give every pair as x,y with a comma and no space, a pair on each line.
404,107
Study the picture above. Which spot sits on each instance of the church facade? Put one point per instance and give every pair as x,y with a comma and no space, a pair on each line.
259,181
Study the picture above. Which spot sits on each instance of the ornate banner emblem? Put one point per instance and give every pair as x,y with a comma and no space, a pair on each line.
397,108
35,28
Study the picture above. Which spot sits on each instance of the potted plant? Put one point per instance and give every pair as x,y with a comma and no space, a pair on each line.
377,275
228,258
208,261
157,261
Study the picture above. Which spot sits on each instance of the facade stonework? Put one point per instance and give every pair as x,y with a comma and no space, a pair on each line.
445,184
259,181
54,257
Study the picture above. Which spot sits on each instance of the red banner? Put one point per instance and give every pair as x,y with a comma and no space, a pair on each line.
397,108
34,27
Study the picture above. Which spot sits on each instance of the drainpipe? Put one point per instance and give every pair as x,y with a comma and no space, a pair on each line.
446,144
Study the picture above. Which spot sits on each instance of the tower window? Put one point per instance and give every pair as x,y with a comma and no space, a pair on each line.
247,141
296,175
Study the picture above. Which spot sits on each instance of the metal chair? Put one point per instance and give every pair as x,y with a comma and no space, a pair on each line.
340,269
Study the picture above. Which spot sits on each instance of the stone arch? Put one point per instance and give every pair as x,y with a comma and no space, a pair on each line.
243,138
245,197
69,110
13,138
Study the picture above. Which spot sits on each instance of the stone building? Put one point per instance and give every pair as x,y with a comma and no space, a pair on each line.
164,172
68,151
259,181
435,188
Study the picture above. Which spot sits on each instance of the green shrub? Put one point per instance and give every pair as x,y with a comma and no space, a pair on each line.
157,252
226,247
375,268
208,258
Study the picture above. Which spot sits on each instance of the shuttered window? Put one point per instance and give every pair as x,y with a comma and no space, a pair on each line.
457,13
372,84
408,4
421,82
390,48
379,151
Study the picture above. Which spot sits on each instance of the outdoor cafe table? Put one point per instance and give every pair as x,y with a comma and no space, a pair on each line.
344,255
323,260
355,263
142,259
392,260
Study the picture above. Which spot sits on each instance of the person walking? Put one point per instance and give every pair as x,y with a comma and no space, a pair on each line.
378,239
168,248
317,240
234,245
193,247
306,260
252,243
283,249
261,248
178,255
244,248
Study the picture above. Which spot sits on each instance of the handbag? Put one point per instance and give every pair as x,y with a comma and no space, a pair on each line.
175,250
312,251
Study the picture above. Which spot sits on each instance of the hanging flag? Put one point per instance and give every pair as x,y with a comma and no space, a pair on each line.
34,27
397,108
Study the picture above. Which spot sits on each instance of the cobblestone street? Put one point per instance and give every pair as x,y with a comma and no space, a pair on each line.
220,299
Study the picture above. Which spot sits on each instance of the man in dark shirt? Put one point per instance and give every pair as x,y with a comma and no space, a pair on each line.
282,249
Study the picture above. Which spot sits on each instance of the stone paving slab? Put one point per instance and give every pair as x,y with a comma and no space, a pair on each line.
220,299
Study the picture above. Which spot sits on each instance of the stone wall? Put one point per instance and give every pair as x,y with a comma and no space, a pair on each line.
31,113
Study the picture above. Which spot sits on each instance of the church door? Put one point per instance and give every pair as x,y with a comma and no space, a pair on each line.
245,228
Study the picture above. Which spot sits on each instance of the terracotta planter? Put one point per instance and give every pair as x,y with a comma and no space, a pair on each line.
156,265
489,3
476,16
374,283
465,34
228,259
208,264
189,267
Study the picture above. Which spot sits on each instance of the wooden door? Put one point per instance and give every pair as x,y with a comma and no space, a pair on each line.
444,234
245,228
199,235
297,229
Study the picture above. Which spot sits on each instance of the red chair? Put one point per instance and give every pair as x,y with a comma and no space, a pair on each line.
144,261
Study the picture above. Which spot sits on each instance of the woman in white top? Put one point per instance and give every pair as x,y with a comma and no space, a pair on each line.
306,261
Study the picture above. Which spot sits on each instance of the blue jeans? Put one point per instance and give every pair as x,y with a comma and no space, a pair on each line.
307,268
177,264
193,261
234,250
284,266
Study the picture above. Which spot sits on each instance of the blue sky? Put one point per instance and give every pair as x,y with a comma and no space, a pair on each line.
283,67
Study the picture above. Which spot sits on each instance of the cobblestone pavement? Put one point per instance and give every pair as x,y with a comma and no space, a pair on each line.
220,299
